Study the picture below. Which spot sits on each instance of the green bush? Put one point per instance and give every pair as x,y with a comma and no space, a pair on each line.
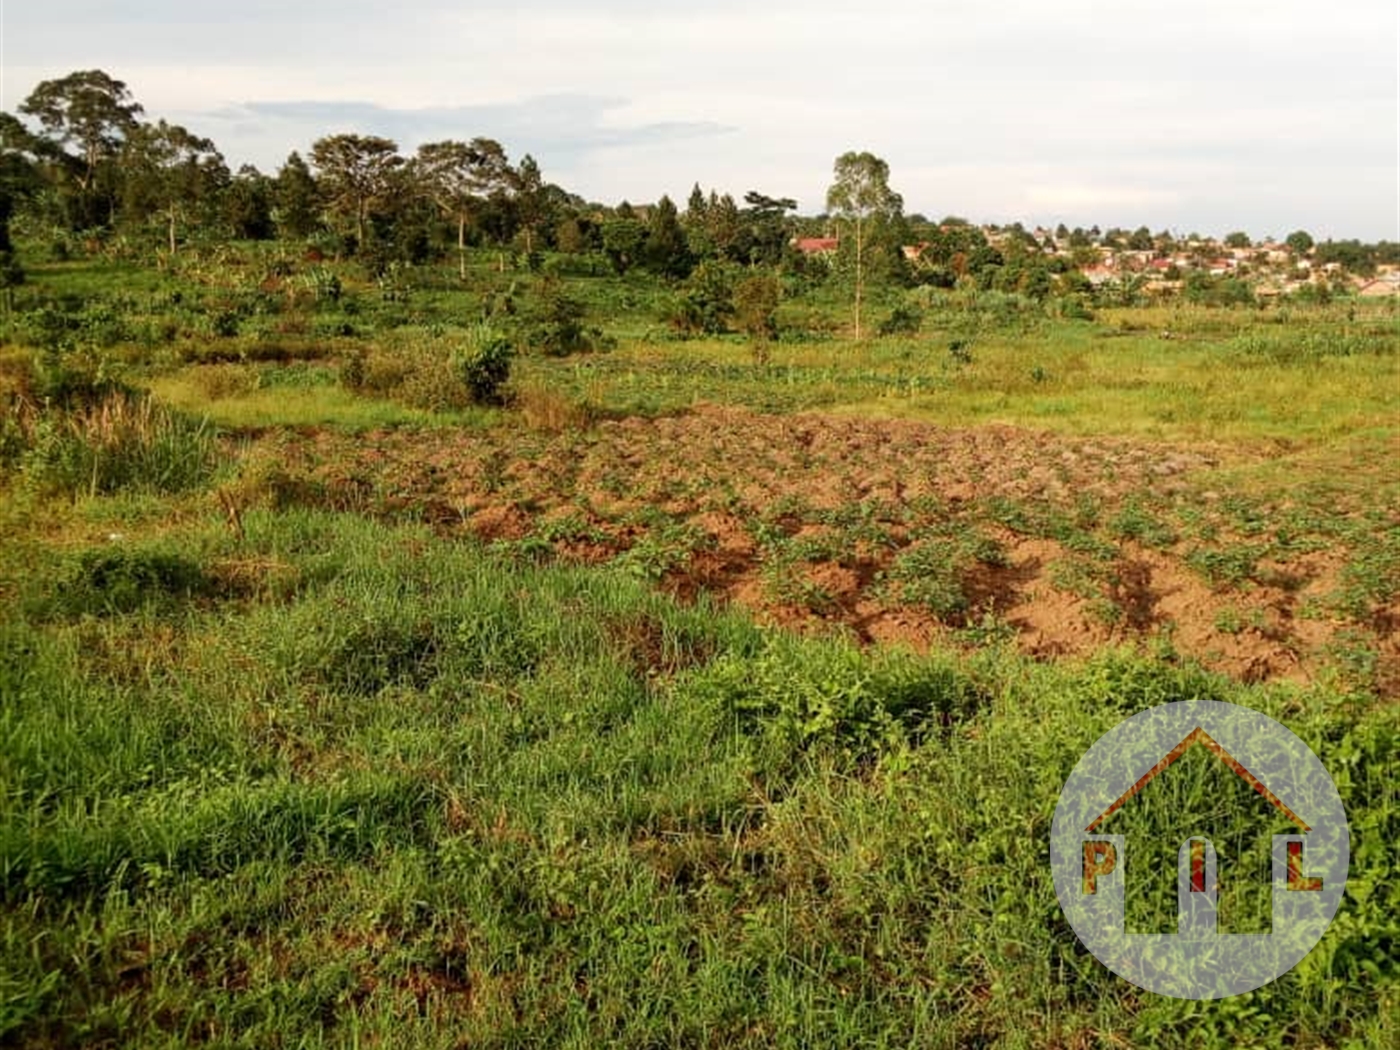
484,363
903,320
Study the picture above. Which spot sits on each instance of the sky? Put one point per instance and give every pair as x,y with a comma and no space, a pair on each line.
1190,115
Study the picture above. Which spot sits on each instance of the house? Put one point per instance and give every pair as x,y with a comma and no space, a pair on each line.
1381,286
816,245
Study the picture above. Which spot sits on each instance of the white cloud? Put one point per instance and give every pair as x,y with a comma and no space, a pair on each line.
1181,113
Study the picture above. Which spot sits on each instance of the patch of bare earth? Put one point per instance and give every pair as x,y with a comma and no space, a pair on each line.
726,474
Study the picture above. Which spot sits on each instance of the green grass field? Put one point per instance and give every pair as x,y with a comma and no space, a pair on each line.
290,760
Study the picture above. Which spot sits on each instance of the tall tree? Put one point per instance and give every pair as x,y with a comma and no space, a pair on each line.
724,227
93,113
455,175
532,199
695,206
19,179
768,227
356,173
667,252
169,171
297,206
860,196
247,205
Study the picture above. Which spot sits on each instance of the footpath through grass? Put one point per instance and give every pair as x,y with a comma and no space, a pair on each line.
335,784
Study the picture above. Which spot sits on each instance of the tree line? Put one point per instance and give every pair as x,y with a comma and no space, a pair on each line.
81,161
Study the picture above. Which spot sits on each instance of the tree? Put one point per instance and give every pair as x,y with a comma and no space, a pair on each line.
768,230
455,175
624,239
1299,242
1141,240
169,171
247,206
723,227
93,113
667,252
860,196
532,198
755,307
695,207
18,180
1237,239
356,173
297,199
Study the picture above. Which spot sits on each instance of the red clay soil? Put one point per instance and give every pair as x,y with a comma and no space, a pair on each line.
703,486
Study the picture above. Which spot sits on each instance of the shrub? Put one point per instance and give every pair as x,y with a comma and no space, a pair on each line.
557,322
903,320
484,363
755,306
706,302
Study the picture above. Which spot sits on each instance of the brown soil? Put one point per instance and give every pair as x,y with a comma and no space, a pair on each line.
718,472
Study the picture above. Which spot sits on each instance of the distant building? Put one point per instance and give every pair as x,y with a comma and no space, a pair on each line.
1386,285
816,245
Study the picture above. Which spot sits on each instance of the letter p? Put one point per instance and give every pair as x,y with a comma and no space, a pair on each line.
1100,858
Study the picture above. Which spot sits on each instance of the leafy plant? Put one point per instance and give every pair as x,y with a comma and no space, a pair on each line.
484,363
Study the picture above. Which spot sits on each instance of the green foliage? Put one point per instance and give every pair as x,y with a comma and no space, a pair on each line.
624,241
706,302
119,578
425,770
934,572
483,363
120,442
905,319
756,305
557,323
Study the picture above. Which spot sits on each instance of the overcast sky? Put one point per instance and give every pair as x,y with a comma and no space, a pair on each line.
1192,115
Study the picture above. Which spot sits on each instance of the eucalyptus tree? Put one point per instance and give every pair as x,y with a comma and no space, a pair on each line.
456,175
356,174
859,197
86,116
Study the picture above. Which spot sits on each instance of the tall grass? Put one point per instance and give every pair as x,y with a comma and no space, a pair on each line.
121,441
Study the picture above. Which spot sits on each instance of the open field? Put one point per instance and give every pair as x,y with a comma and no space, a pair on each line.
695,694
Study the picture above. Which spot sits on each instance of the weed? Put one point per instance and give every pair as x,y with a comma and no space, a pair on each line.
1233,565
1136,522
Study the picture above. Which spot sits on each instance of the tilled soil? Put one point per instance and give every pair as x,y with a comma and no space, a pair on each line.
804,519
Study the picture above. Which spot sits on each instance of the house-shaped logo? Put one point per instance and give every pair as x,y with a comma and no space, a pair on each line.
1199,849
1199,857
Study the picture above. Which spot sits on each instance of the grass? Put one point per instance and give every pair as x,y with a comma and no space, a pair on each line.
429,797
280,767
283,406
